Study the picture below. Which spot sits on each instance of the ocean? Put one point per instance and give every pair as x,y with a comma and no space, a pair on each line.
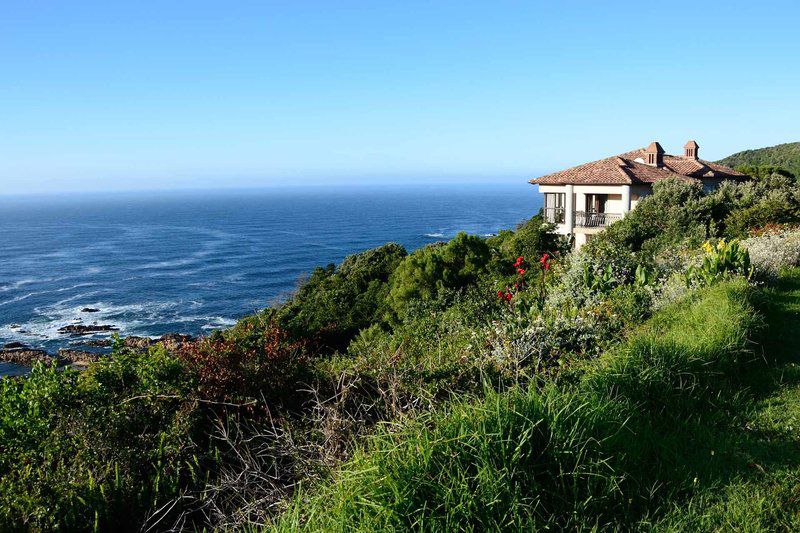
192,262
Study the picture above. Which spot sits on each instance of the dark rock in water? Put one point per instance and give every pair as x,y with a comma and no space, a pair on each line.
93,343
25,357
81,329
90,310
77,357
174,341
171,341
138,343
15,346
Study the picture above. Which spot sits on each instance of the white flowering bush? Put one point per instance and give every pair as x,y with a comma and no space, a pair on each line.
546,338
774,250
588,275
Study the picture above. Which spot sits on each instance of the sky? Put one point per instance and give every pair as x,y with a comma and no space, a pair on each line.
170,95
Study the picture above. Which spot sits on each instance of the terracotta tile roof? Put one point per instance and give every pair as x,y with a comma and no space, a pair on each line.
629,168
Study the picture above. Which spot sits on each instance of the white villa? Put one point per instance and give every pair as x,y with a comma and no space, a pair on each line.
585,199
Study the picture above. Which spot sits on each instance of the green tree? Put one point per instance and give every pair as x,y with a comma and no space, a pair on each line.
455,265
335,303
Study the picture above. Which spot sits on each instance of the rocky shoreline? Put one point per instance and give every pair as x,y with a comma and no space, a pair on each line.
21,354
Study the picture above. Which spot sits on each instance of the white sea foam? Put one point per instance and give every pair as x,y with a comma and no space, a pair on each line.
434,235
217,322
17,284
19,298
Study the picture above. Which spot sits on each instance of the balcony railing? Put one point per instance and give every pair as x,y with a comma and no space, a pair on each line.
580,219
595,220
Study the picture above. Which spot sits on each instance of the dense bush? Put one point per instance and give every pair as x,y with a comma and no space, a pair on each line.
785,155
98,449
252,360
530,239
764,171
736,208
774,249
674,213
439,267
336,302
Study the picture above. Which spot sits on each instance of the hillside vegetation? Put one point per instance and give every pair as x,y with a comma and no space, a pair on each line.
480,383
786,156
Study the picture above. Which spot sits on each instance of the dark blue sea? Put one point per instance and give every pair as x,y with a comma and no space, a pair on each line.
191,262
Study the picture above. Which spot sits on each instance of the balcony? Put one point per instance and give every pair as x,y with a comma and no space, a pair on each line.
580,219
595,220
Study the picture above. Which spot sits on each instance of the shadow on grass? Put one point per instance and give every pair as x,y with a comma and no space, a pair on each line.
735,461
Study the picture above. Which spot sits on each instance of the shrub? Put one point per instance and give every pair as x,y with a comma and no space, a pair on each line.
452,266
673,214
720,262
740,207
591,273
98,449
774,250
532,238
336,302
436,352
252,360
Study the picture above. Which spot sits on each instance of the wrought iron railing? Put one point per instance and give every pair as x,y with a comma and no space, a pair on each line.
554,215
585,219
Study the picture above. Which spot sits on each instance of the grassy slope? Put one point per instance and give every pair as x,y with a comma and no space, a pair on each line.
783,155
608,450
765,496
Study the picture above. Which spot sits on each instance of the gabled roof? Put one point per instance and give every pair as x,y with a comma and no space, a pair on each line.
629,169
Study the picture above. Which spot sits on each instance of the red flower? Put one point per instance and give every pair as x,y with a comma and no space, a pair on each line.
547,266
545,258
500,294
521,271
508,296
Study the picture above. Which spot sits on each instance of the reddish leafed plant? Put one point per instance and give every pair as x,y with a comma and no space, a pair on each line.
250,361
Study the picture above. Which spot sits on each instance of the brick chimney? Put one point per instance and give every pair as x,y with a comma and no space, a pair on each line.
691,149
654,155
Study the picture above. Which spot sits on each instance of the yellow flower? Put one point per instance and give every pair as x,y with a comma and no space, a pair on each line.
707,247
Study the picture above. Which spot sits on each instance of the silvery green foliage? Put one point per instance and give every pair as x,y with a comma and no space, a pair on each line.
575,287
546,337
771,252
671,289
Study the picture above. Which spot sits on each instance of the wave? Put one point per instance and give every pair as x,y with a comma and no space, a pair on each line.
19,298
17,284
434,235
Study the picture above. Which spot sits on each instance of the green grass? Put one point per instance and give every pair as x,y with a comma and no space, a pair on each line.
765,494
645,426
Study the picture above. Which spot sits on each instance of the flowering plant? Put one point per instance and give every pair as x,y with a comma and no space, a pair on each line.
521,281
774,249
720,262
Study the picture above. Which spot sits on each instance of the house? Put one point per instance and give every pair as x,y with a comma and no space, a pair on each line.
583,200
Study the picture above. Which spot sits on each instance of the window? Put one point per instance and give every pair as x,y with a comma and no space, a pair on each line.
554,204
596,203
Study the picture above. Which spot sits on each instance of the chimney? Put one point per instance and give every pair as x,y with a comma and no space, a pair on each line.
654,155
690,150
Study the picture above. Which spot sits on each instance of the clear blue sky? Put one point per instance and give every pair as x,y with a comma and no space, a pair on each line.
142,95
